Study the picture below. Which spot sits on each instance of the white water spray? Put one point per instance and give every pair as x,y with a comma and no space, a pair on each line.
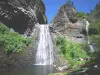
87,27
44,54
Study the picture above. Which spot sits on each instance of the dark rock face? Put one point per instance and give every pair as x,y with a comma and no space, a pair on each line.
64,15
67,23
22,15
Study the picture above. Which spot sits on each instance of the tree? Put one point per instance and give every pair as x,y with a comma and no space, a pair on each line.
81,15
70,2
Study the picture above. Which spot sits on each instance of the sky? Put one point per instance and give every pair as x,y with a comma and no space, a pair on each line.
52,6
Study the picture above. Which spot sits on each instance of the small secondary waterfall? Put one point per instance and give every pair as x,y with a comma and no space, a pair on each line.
44,54
90,46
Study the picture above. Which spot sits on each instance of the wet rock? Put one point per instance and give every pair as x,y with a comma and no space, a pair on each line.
62,68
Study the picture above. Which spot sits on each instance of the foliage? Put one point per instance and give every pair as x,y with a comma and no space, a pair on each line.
3,29
61,42
94,32
70,2
81,15
45,18
95,58
12,41
71,51
84,46
97,10
94,20
94,27
96,40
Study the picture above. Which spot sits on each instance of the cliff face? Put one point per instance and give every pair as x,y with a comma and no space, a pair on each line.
67,23
22,15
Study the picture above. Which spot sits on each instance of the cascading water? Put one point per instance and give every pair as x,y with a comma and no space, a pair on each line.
90,46
44,54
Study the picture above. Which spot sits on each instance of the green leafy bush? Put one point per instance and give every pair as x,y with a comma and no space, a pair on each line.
94,32
3,29
61,43
96,40
81,15
12,41
94,28
71,51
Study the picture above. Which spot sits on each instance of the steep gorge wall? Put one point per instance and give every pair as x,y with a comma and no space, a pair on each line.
22,15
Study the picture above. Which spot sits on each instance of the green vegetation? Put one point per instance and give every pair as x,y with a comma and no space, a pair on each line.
59,74
45,18
96,40
71,51
95,58
81,15
94,28
12,41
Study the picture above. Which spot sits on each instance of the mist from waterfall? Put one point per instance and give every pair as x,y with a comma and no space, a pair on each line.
44,54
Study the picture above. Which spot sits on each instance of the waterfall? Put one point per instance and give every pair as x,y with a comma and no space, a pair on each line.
44,54
90,46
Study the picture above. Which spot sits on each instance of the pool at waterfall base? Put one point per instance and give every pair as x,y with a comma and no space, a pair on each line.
30,70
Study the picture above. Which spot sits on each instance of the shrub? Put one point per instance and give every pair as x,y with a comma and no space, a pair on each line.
81,15
94,28
95,39
3,29
71,51
12,41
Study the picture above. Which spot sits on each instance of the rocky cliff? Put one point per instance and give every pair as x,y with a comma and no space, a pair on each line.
22,15
67,23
